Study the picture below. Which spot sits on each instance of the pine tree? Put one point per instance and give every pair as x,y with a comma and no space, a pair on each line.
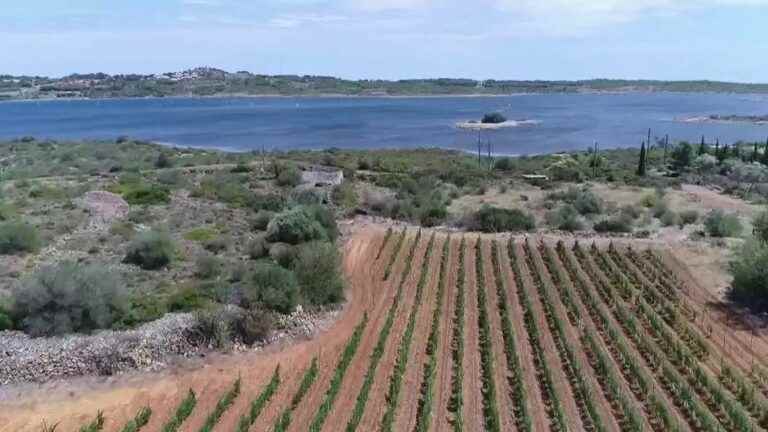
641,167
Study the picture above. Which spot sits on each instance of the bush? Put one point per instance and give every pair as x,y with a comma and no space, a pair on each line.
151,250
761,227
327,220
283,254
261,220
584,200
273,287
719,224
18,237
494,117
649,200
433,215
6,323
220,326
492,219
317,267
142,194
289,177
614,225
345,195
630,212
185,298
566,218
295,226
163,161
7,212
670,218
253,326
218,245
258,247
660,208
208,267
503,164
688,217
201,234
307,197
69,297
750,274
566,169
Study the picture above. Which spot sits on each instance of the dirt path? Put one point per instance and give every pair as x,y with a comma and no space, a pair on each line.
353,380
572,336
407,406
376,406
539,419
440,413
552,358
503,389
473,398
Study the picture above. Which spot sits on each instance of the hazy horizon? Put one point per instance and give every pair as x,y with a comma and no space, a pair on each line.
393,39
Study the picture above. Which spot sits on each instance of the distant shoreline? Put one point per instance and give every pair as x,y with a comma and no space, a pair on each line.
369,96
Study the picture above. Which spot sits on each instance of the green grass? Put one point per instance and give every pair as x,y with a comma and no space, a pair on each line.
201,234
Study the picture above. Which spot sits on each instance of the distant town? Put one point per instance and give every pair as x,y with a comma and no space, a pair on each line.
207,81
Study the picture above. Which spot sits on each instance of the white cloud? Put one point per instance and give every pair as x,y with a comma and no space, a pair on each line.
200,2
380,5
291,21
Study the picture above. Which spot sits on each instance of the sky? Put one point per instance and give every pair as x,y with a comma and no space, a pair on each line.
392,39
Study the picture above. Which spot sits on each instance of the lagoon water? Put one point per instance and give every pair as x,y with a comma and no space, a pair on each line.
568,121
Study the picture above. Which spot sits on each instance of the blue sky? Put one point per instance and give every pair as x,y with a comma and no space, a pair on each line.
514,39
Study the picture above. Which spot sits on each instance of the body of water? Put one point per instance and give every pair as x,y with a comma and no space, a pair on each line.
567,121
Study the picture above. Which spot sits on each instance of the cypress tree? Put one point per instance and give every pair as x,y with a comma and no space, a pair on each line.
702,146
641,165
765,153
755,154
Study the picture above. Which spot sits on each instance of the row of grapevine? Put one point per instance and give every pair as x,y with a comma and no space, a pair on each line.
514,370
378,351
96,425
668,310
139,421
456,402
258,404
711,392
572,367
424,410
624,409
490,410
544,375
639,379
309,378
183,411
395,253
226,400
684,396
384,243
404,348
338,376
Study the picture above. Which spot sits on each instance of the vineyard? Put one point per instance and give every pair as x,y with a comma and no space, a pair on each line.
470,332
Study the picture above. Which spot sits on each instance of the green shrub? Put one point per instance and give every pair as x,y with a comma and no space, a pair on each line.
630,212
143,194
327,220
565,218
660,208
494,117
670,218
258,247
283,254
6,323
185,298
7,212
761,227
123,229
271,202
566,169
289,177
749,268
218,244
649,200
688,217
261,220
584,200
151,250
318,271
719,224
208,267
345,195
433,215
253,326
503,164
493,219
18,237
294,226
69,297
273,287
306,197
614,225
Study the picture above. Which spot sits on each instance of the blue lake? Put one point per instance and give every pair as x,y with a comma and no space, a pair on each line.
567,121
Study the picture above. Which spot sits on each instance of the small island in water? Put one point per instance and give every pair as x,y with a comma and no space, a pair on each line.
732,118
494,121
